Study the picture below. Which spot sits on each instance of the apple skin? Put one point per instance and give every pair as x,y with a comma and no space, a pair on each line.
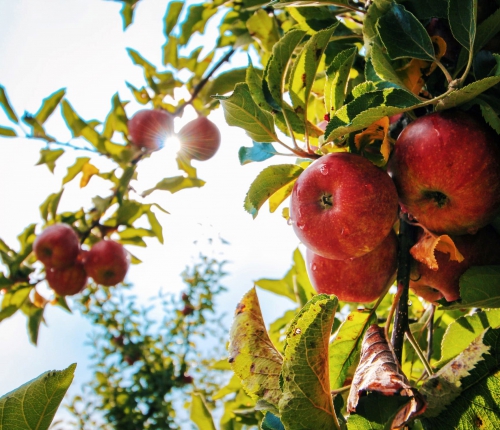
107,263
480,249
68,281
343,206
149,128
446,167
361,279
199,139
57,246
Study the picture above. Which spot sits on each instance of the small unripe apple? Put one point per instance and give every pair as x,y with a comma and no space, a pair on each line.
446,167
107,263
343,206
149,128
67,281
57,246
480,249
199,139
361,279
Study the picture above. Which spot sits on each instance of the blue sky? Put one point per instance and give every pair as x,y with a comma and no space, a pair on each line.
80,45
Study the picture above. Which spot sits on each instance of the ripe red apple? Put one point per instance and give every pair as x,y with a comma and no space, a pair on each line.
57,246
199,139
107,263
480,249
149,128
343,206
361,279
68,281
446,167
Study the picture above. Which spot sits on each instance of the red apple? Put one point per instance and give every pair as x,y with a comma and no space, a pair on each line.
107,263
446,167
57,246
68,281
361,279
199,139
480,249
343,206
149,128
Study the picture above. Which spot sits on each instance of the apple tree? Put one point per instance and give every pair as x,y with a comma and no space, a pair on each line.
389,110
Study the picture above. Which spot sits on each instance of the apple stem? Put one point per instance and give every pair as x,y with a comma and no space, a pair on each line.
406,240
419,352
444,70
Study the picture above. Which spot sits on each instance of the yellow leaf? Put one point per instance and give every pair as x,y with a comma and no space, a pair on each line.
88,170
376,132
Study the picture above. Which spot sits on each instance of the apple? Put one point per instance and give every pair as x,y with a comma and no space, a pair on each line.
199,139
107,263
361,279
57,246
343,206
149,128
446,167
67,281
480,249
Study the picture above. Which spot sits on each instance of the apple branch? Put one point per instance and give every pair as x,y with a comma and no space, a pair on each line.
406,241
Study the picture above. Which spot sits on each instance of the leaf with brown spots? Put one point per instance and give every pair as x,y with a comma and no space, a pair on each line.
306,402
429,242
378,372
465,393
252,355
378,132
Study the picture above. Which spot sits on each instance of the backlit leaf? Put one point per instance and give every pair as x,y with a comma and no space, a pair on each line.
49,157
88,170
172,15
75,169
241,110
175,184
7,132
5,104
35,318
49,206
252,355
78,126
49,104
258,152
467,93
14,299
337,78
196,20
270,180
200,414
280,196
263,28
306,402
34,404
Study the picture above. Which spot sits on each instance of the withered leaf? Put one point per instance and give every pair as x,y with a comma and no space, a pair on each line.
428,243
252,355
378,372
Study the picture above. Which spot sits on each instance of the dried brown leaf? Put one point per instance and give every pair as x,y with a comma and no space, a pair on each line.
378,372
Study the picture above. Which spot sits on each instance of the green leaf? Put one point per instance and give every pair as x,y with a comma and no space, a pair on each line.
241,110
305,68
306,402
346,347
156,227
456,394
307,3
376,412
252,355
7,132
270,180
4,102
426,9
337,78
141,95
271,422
375,11
462,19
49,206
196,20
172,16
175,184
149,69
127,12
128,212
224,83
35,318
467,93
368,108
200,415
49,157
480,287
116,119
14,299
258,152
403,35
383,67
280,196
75,169
49,104
37,130
263,28
34,404
278,64
489,115
255,84
461,333
78,126
171,52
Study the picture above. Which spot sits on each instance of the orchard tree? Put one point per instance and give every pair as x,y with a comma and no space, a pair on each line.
389,109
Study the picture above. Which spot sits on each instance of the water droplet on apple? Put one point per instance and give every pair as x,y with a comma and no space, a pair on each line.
314,267
323,169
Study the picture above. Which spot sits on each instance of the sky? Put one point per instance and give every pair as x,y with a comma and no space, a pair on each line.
80,45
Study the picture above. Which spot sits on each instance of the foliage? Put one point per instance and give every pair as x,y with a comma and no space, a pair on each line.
323,76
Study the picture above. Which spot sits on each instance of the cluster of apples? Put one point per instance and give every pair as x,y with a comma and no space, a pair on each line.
68,267
444,173
150,128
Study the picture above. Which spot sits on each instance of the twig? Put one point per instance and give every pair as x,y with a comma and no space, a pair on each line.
419,352
198,87
406,241
430,331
